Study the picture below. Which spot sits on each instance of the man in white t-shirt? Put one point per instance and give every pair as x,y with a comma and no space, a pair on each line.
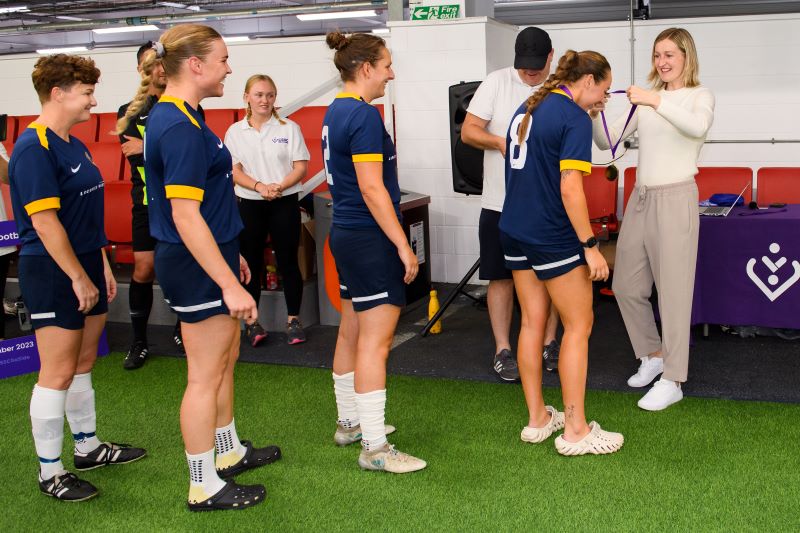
485,127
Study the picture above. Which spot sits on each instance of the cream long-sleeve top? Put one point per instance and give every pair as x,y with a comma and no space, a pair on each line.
670,136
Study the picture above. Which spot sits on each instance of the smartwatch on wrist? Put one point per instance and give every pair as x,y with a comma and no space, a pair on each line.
591,242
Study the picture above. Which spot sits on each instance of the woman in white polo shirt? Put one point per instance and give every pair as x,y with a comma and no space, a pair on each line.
269,160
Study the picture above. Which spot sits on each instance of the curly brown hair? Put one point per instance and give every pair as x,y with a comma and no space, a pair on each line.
354,50
62,71
571,67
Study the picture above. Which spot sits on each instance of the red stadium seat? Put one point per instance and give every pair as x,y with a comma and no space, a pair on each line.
710,180
108,158
22,123
107,124
601,199
627,189
778,184
219,120
118,224
86,131
728,180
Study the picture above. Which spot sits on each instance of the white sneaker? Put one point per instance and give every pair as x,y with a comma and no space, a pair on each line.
536,435
663,394
650,368
390,459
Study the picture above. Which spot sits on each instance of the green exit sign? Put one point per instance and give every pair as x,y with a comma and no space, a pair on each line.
449,11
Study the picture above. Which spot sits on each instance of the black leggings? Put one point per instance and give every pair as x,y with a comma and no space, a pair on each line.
280,219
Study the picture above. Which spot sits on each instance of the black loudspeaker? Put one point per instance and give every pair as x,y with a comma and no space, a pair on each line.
467,162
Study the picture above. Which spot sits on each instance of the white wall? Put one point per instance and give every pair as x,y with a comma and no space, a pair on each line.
749,62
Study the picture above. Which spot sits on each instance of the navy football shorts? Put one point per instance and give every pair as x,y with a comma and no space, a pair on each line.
370,270
188,290
47,290
547,262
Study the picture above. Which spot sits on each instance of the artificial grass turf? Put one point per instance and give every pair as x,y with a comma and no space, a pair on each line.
701,465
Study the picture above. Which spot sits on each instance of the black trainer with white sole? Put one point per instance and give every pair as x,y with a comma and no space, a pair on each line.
67,487
108,453
232,496
253,458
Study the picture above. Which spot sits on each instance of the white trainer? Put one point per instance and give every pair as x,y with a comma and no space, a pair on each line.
389,459
663,394
597,442
536,435
649,369
345,436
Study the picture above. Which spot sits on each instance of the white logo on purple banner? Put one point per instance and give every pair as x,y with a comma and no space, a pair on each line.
21,355
8,233
774,264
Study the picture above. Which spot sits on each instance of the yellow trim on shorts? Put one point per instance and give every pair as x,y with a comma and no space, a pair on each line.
575,164
366,158
184,191
54,202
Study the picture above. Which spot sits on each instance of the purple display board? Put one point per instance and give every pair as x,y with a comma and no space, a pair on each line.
8,233
21,355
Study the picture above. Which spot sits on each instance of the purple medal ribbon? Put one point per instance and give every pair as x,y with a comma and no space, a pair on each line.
603,116
627,121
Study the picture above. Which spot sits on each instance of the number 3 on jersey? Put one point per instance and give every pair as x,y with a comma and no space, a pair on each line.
326,154
518,152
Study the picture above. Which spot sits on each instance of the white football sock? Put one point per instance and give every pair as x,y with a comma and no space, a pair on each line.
371,412
47,422
81,413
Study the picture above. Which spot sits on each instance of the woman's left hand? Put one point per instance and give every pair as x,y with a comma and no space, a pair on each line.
111,285
639,96
244,270
410,262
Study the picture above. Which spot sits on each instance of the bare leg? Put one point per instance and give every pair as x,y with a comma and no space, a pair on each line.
572,295
500,300
534,302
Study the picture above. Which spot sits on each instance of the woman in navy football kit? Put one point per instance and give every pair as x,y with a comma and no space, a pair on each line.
66,282
373,257
194,220
549,245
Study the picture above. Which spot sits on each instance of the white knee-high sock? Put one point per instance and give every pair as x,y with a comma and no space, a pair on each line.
343,388
81,413
229,447
203,479
371,410
47,422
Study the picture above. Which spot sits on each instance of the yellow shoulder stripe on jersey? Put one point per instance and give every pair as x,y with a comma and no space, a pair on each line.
41,131
180,104
574,164
349,95
184,191
562,93
44,204
366,158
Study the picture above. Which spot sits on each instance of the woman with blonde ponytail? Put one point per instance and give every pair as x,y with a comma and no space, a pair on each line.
269,160
549,245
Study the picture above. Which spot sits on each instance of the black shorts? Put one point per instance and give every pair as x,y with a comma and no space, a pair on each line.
370,270
47,290
547,262
493,266
142,240
188,290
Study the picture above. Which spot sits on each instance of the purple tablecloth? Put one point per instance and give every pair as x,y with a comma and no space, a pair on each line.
748,269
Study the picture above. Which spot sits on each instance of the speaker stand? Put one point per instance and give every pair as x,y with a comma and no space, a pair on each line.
452,296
